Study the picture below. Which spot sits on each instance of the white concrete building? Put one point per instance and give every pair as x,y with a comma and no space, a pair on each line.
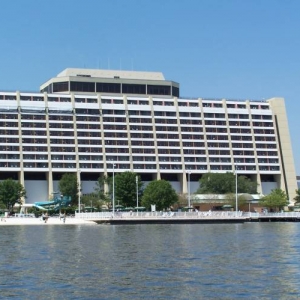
84,120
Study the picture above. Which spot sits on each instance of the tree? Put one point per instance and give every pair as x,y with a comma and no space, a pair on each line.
160,193
224,183
231,200
297,198
100,188
68,186
276,199
11,192
92,200
125,188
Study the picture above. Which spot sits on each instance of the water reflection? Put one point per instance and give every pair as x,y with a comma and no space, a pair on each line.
252,260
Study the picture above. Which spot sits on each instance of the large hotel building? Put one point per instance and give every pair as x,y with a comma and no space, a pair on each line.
96,122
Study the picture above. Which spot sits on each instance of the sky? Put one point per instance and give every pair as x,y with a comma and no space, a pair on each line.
230,49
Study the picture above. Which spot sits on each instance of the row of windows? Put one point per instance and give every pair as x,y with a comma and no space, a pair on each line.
118,134
4,156
143,158
116,88
117,142
167,144
226,168
101,87
135,166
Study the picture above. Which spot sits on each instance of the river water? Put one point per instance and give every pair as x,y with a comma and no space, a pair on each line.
199,261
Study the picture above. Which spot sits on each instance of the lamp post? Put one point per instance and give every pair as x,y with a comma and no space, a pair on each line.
113,189
137,192
236,194
79,191
189,189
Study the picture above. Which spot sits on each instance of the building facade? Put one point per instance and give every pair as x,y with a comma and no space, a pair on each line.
96,122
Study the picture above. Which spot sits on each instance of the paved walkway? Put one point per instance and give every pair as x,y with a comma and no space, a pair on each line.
39,221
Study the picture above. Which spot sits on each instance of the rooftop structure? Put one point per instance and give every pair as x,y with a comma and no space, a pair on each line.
111,82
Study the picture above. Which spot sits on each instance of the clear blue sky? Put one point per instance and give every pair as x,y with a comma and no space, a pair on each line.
234,49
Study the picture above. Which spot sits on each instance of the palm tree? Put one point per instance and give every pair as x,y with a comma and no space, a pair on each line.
297,198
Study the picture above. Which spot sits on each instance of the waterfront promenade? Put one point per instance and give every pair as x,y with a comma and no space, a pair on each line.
123,218
38,221
127,218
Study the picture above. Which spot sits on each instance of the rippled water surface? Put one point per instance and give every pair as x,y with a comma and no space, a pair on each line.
199,261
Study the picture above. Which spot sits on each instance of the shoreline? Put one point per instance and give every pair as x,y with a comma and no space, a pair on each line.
7,221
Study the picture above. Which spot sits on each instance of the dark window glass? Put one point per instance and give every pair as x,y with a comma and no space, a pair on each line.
60,86
133,88
102,87
175,91
85,111
159,90
82,86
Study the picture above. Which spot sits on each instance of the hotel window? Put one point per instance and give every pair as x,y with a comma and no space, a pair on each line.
60,86
230,105
133,88
77,86
10,97
160,90
241,106
102,87
264,107
207,104
175,91
218,105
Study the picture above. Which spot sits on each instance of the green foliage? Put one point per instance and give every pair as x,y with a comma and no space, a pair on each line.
100,188
160,193
68,186
224,183
125,188
11,192
92,200
231,200
276,199
297,198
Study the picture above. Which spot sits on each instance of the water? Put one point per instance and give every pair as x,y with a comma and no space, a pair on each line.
205,261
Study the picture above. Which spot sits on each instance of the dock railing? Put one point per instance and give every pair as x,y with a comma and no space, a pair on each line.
184,215
159,215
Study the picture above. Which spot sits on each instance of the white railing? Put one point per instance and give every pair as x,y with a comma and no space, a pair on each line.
159,215
279,215
183,215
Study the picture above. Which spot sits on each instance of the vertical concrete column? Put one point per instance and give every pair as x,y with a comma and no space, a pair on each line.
128,132
21,175
204,134
102,137
49,175
289,182
257,175
229,135
75,132
181,177
158,177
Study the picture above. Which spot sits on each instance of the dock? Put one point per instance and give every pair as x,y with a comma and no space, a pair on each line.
211,217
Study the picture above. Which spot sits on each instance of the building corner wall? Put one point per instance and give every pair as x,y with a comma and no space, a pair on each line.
288,182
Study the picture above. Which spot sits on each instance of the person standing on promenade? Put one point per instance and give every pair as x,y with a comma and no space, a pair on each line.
46,217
